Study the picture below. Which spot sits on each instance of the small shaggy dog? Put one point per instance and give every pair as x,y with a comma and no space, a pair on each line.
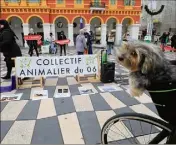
146,63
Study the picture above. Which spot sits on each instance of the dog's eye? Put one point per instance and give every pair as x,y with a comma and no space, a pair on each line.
133,53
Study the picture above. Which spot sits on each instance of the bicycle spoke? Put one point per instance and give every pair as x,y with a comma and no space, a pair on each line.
122,134
126,129
142,132
121,129
150,132
132,131
116,132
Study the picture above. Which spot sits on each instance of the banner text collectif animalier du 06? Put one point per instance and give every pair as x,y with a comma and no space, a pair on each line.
56,66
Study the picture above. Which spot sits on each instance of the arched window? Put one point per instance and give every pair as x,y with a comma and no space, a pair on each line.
78,1
129,2
112,2
33,1
60,1
12,1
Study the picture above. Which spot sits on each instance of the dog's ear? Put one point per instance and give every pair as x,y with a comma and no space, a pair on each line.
146,64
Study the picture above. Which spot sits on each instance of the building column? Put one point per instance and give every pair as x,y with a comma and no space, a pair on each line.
46,30
87,27
118,37
70,34
26,32
134,31
53,30
103,34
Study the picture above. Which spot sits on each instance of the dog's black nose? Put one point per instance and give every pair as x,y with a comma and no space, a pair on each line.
121,58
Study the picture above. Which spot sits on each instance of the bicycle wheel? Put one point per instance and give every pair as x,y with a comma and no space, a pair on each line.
134,128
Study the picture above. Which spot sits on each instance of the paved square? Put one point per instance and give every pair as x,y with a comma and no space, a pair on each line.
73,120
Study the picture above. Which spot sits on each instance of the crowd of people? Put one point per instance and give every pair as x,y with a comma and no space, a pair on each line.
167,38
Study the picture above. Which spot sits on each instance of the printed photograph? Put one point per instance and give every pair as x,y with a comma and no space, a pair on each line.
107,88
38,95
62,93
10,97
84,90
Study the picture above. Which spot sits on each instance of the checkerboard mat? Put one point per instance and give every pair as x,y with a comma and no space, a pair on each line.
74,120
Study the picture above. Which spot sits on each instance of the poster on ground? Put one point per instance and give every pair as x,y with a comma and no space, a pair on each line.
62,93
107,88
39,94
85,91
10,97
56,66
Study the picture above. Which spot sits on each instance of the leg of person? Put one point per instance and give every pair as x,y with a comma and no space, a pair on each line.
61,50
30,50
109,49
91,51
9,69
80,53
163,46
36,51
64,49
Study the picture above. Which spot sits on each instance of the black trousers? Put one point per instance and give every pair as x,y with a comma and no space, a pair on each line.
31,50
80,53
10,64
62,47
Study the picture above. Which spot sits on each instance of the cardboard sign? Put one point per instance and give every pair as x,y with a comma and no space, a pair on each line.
110,39
32,37
56,66
62,42
45,48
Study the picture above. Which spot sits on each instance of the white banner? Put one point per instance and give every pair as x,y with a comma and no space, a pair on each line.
56,66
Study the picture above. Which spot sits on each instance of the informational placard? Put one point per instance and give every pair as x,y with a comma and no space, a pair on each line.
56,66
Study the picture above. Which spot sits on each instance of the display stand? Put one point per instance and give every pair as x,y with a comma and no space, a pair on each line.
20,82
91,77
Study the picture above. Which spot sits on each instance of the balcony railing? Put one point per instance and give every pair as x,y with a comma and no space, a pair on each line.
97,5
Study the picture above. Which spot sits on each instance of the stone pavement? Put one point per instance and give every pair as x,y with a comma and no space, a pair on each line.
73,120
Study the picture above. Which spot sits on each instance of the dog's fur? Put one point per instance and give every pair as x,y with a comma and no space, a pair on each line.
146,63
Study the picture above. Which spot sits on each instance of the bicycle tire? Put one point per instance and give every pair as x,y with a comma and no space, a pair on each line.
134,116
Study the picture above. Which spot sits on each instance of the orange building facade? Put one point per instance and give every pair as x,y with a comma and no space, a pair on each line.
99,16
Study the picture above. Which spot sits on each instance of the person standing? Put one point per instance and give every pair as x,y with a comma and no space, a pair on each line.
110,43
88,42
52,48
32,44
62,37
81,43
90,51
155,39
163,40
173,42
8,46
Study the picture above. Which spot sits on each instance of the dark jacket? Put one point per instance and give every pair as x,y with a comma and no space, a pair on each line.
163,38
173,41
8,45
32,43
62,37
